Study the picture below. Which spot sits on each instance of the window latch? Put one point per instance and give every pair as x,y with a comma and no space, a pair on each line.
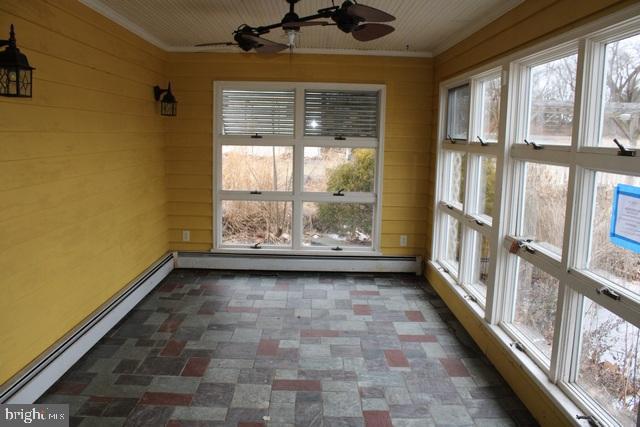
609,293
257,245
337,248
534,145
480,223
593,422
255,192
623,151
484,144
339,138
256,136
518,346
449,206
521,244
451,140
340,192
472,298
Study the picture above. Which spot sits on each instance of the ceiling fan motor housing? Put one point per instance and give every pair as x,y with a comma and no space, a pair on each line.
344,20
243,42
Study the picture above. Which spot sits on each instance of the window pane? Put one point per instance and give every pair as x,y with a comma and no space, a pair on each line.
252,168
453,238
609,361
607,259
545,202
248,223
332,169
458,172
621,112
490,109
458,112
265,112
535,310
337,224
487,185
552,89
481,267
341,113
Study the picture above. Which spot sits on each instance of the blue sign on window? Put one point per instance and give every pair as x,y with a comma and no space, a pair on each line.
625,217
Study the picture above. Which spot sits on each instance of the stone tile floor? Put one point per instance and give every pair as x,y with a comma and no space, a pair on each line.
220,348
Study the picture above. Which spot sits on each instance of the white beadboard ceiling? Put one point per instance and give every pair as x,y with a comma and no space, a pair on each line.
423,27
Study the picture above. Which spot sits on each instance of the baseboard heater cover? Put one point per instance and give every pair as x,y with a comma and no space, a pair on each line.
286,262
29,384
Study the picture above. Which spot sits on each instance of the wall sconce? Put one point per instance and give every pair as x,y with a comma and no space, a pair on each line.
15,71
168,104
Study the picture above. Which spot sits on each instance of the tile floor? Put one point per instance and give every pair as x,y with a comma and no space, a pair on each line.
209,348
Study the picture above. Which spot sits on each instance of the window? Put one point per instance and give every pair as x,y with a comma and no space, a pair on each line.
536,296
620,108
490,109
609,364
545,202
552,91
466,195
458,113
530,187
298,166
608,260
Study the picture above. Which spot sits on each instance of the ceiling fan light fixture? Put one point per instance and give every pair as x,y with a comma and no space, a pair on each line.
291,37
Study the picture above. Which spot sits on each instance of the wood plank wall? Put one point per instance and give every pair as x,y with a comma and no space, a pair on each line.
82,191
408,129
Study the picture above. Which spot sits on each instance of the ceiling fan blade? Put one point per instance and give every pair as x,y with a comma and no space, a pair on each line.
264,45
296,24
216,44
368,32
272,48
369,13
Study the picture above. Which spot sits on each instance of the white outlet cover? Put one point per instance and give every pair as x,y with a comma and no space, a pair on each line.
186,236
403,240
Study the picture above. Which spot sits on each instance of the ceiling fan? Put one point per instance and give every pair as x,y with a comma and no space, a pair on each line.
361,21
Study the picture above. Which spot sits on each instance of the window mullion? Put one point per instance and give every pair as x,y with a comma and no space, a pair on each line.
565,322
298,171
498,267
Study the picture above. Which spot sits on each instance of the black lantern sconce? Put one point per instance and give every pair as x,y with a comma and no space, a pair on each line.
15,71
168,104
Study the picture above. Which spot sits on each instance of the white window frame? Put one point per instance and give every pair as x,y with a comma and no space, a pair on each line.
555,377
298,141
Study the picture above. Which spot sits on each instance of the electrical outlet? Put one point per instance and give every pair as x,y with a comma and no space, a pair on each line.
186,235
403,240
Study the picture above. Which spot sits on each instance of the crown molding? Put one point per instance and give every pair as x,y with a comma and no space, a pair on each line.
112,15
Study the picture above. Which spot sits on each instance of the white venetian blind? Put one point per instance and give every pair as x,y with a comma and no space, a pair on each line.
341,113
262,112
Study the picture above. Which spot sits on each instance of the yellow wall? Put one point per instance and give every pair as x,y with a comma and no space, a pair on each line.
528,24
407,130
82,193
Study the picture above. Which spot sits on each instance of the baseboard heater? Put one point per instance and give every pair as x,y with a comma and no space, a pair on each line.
285,262
30,383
